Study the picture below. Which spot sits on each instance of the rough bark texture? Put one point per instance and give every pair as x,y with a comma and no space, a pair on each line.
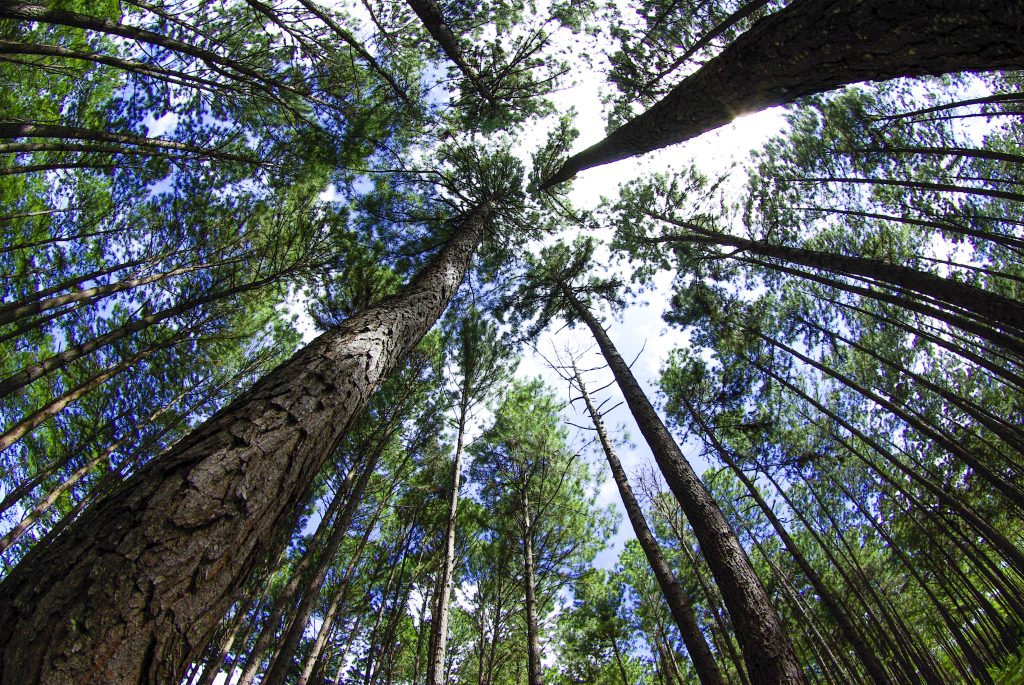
134,589
678,603
767,651
816,45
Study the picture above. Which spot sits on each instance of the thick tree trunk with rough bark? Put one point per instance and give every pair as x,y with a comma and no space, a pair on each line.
812,46
134,589
767,651
678,603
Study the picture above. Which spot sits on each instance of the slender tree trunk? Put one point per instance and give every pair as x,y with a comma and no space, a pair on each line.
8,309
286,600
1006,240
433,20
979,669
23,377
1010,490
439,622
233,69
214,664
17,129
354,43
133,590
340,594
1002,428
876,672
90,295
620,662
766,647
1010,553
281,665
986,305
813,46
919,185
56,406
29,484
679,604
745,10
1009,343
530,586
905,637
995,372
180,78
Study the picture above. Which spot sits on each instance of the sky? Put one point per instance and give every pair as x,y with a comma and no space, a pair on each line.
640,333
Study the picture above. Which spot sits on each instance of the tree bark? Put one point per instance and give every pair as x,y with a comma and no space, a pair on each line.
133,590
813,46
767,650
678,603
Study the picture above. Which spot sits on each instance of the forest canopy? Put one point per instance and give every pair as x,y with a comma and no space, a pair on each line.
271,270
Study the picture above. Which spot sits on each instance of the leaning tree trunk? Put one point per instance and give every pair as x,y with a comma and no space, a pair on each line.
990,307
433,21
133,590
812,46
679,604
875,671
288,643
767,651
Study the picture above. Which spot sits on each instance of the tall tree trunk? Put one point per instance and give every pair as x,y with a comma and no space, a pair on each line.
231,68
433,20
281,665
26,375
213,665
988,306
864,652
678,603
354,43
439,623
530,586
1013,556
90,295
287,598
812,46
337,601
132,591
766,648
1008,488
